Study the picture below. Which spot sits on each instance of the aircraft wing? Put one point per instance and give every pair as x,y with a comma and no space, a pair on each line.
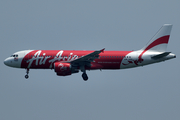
84,60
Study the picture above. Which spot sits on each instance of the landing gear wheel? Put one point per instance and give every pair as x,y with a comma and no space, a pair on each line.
26,76
84,76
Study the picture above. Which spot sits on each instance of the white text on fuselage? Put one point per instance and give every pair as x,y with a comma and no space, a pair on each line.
41,59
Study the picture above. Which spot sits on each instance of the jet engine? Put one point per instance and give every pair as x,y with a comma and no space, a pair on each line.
62,69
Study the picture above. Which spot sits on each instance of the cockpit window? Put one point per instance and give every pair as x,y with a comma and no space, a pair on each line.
14,55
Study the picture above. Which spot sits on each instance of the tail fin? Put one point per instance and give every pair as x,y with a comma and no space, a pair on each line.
160,40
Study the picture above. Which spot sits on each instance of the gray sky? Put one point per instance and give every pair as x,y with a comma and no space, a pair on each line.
144,93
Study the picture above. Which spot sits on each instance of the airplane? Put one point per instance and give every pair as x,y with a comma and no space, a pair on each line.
67,62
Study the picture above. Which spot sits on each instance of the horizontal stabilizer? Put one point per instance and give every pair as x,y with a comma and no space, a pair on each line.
160,55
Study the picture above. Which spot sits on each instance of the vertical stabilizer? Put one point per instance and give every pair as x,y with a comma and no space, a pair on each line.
160,40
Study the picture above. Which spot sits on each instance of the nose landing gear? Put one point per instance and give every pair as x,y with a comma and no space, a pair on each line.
27,71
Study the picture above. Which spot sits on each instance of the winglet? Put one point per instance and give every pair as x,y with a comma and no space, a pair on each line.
102,50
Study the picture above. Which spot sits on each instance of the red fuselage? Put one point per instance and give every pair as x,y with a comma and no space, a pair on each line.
44,59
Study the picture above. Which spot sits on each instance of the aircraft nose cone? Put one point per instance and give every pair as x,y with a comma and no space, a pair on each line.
11,62
7,62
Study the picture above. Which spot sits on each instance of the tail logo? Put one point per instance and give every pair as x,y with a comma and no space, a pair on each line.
136,62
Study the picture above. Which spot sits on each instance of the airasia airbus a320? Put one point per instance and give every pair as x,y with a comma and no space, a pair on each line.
67,62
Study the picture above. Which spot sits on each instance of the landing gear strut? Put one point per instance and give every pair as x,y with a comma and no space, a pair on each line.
27,71
84,76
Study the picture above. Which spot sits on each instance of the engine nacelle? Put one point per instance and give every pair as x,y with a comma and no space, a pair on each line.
62,69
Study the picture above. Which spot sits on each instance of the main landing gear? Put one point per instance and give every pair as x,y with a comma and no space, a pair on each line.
84,76
27,72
